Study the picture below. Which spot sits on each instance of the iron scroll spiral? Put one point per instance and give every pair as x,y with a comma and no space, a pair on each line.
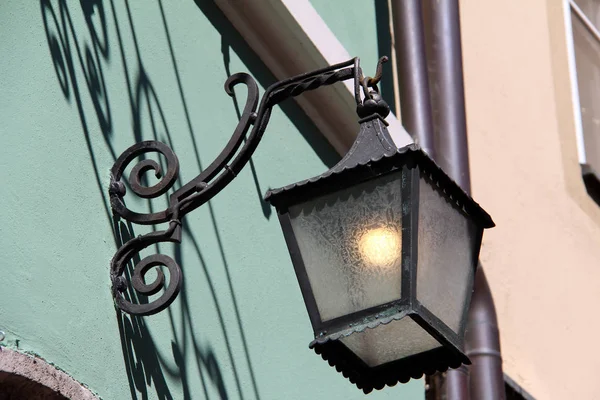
172,213
124,256
117,188
203,187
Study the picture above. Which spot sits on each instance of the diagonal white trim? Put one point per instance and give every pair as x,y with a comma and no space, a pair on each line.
568,6
291,38
585,20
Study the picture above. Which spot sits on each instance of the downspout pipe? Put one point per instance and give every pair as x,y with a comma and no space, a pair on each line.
482,342
448,95
411,64
446,100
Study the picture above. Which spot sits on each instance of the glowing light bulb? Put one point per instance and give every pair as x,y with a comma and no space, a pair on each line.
380,247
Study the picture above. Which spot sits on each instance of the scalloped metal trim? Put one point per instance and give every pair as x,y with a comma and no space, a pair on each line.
367,379
336,170
371,323
434,173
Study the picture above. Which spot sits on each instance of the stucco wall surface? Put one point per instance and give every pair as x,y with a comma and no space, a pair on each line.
81,82
542,258
363,29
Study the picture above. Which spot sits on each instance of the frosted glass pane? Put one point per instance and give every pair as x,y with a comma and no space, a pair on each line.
351,243
385,343
445,257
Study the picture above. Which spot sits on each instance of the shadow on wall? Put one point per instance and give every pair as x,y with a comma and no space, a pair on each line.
79,70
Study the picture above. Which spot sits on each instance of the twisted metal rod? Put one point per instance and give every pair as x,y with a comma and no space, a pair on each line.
207,184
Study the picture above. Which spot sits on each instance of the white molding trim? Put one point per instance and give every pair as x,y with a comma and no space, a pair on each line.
570,7
291,38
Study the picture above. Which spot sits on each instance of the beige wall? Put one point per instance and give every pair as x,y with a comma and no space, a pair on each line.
543,257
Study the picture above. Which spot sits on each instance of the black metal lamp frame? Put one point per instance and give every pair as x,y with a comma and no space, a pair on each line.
210,181
372,157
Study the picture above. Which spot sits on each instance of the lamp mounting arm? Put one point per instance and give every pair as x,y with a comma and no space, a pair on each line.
209,182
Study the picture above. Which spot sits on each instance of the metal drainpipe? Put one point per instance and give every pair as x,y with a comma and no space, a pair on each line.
411,64
483,344
484,380
482,338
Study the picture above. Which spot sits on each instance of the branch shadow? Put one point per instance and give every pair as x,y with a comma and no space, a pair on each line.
146,369
67,57
79,67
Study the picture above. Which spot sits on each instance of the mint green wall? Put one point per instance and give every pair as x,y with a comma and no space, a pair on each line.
363,28
73,96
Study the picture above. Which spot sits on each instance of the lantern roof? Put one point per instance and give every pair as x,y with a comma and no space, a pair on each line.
374,154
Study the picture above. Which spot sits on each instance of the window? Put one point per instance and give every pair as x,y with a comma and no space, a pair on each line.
583,27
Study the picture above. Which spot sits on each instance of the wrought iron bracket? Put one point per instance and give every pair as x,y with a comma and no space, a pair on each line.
210,181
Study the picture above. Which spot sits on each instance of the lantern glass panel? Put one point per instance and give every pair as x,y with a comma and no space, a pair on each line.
445,263
390,342
351,245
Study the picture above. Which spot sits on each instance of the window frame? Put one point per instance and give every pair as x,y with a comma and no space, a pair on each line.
590,177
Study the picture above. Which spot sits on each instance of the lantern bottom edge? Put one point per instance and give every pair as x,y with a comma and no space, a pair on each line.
368,378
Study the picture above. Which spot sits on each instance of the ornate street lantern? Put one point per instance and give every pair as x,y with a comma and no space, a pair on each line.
384,244
385,247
